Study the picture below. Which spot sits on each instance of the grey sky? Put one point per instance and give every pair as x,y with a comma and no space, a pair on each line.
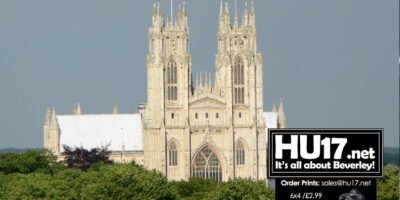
335,63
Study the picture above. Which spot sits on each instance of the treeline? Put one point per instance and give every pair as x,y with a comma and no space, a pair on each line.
35,174
391,155
13,150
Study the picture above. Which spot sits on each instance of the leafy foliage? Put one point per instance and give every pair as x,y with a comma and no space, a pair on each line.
117,181
30,161
197,188
35,174
388,186
127,181
242,189
82,158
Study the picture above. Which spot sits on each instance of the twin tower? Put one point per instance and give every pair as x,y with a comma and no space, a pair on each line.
238,78
196,129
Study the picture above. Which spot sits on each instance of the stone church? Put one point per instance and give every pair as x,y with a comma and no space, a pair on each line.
188,128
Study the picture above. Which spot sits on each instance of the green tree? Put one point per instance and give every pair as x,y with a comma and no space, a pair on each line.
242,189
126,181
29,161
116,181
388,186
34,185
195,188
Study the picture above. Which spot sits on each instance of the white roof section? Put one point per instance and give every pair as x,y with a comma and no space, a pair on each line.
271,120
96,130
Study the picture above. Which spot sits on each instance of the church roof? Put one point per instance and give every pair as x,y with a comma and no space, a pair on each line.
116,130
96,130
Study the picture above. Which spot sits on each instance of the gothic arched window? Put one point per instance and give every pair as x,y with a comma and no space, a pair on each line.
238,80
207,165
172,83
240,156
173,154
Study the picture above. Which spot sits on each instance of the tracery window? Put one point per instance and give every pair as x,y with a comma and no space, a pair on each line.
172,83
173,155
240,156
207,165
238,81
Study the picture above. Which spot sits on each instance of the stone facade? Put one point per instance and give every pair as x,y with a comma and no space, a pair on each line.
194,117
193,128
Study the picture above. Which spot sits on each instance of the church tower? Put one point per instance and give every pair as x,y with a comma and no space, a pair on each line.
168,67
169,85
239,73
239,65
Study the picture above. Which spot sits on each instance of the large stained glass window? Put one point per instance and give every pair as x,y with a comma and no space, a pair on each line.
207,165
